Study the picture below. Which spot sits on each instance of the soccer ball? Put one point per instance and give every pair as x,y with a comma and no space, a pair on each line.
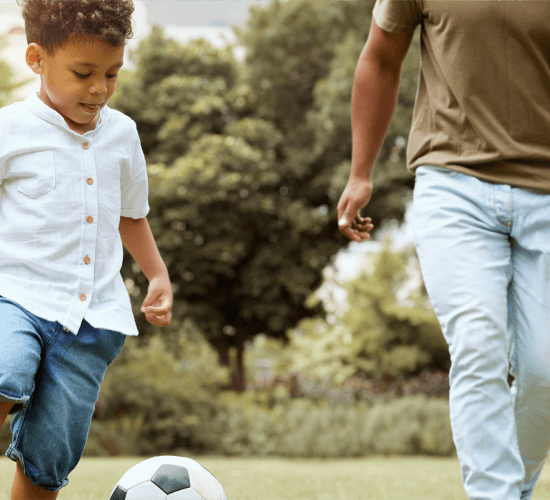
168,478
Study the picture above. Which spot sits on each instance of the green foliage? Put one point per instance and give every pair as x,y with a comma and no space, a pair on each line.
7,79
409,426
165,395
377,336
301,60
175,94
301,428
246,425
247,161
290,47
242,252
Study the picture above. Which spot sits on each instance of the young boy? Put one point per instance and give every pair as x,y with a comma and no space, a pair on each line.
73,188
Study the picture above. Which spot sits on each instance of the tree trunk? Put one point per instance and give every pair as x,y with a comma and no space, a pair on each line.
238,381
223,354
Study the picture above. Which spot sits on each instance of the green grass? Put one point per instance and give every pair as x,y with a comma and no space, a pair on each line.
412,478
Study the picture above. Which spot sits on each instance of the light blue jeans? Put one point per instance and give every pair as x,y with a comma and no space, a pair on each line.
484,251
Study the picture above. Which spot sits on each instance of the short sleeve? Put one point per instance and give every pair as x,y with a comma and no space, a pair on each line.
397,16
135,186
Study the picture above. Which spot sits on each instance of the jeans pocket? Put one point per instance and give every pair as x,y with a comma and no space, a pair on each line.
35,173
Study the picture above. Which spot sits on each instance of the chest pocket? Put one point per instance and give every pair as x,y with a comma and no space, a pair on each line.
34,173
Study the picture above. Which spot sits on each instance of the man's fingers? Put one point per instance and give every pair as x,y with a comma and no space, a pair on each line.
344,222
350,233
355,227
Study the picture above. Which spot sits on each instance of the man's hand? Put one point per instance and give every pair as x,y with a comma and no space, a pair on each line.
157,305
356,196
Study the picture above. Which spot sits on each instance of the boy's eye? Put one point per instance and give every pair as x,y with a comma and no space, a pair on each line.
80,75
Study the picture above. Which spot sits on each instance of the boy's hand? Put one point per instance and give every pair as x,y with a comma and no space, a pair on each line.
356,196
157,305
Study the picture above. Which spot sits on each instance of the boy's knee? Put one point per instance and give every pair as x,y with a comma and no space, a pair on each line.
5,408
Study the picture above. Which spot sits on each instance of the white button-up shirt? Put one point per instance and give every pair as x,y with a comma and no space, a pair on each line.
61,198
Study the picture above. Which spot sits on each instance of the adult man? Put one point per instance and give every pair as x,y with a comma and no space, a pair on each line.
480,149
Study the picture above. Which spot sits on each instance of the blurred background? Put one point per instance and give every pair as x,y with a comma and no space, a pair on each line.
287,340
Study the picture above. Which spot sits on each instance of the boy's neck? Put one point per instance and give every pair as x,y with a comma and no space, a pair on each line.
79,128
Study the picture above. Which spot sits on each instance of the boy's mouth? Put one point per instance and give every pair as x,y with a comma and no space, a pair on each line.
90,108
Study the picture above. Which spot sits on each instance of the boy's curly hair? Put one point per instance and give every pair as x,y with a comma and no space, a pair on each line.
50,23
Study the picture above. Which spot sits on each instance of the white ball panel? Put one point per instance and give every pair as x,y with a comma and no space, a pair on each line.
146,491
187,494
206,484
140,473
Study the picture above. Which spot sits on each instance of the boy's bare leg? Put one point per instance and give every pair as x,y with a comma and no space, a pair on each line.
23,489
4,410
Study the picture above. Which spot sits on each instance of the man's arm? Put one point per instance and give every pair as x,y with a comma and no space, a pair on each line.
373,101
137,238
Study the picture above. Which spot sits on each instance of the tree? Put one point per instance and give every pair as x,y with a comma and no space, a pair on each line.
377,336
242,202
231,236
301,59
7,79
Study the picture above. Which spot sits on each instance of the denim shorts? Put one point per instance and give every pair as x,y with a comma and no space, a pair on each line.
53,377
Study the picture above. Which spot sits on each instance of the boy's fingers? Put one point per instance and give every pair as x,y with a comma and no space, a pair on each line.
158,310
163,320
157,303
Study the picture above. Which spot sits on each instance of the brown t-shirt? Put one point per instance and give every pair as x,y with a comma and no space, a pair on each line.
483,103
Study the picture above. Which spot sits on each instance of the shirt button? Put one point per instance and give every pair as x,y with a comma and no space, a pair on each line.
87,260
65,329
86,145
89,219
83,297
90,181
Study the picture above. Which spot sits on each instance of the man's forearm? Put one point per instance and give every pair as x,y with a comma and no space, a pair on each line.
137,238
374,97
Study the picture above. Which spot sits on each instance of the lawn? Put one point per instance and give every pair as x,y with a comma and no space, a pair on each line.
412,478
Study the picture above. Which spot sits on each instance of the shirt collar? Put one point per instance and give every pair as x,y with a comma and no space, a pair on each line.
43,111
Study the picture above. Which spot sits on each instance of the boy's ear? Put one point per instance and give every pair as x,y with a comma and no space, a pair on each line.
33,57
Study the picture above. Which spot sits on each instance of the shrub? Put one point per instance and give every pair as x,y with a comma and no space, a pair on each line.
305,428
409,426
155,400
310,429
166,402
432,383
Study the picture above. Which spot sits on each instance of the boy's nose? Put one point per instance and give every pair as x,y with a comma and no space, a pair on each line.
98,88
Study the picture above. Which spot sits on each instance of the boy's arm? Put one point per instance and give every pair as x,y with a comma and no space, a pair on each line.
139,241
374,96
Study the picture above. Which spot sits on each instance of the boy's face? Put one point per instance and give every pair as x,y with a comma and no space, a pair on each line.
78,79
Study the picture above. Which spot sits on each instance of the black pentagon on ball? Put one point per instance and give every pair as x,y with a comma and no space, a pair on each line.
172,478
118,494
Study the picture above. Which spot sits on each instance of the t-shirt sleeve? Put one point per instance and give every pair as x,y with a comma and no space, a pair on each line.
134,186
397,16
